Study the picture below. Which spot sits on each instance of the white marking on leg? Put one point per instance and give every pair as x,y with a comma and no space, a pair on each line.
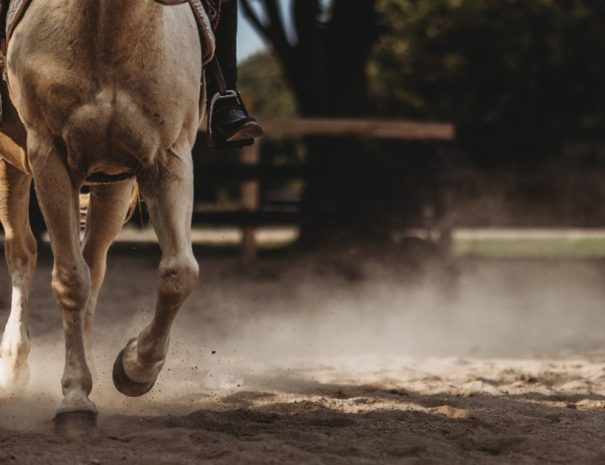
14,372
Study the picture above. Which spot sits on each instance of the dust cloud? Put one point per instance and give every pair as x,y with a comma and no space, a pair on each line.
288,351
288,322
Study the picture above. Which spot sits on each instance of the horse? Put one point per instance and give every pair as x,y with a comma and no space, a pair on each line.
107,93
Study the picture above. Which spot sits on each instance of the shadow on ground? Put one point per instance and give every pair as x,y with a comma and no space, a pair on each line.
338,424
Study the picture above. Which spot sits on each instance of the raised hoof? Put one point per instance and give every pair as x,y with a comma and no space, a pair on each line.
73,425
124,384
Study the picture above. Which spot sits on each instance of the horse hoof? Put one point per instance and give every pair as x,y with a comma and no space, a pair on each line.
74,425
124,384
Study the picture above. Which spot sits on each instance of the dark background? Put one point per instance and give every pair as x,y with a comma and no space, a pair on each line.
523,82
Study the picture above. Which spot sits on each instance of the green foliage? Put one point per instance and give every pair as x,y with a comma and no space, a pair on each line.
522,79
267,94
263,86
517,62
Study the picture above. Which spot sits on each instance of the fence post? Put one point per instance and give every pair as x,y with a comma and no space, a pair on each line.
250,193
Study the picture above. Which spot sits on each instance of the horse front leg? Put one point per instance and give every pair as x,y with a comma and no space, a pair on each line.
169,196
20,251
58,195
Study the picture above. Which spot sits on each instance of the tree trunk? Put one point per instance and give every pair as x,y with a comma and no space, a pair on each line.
327,72
330,80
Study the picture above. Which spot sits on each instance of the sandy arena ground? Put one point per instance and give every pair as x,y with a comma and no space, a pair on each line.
292,365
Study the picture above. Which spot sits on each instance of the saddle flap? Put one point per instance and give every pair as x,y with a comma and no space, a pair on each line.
206,16
16,10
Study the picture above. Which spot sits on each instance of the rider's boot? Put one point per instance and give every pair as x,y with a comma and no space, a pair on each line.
230,123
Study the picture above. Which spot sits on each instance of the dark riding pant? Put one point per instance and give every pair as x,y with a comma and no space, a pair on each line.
226,47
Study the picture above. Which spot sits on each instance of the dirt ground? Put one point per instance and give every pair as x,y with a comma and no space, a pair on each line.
289,364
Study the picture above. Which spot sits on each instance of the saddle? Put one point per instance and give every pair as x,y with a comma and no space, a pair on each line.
206,13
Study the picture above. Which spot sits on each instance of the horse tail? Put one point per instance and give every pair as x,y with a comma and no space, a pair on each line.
135,203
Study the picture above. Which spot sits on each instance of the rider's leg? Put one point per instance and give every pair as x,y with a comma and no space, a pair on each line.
231,122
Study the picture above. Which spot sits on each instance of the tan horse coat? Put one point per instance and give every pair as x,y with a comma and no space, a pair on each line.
111,87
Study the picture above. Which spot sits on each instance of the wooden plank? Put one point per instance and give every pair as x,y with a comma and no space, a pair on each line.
375,128
293,219
211,172
223,171
244,218
250,192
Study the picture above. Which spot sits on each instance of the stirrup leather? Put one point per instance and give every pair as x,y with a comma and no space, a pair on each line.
216,142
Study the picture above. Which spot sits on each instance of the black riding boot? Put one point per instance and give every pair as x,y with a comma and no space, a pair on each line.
231,124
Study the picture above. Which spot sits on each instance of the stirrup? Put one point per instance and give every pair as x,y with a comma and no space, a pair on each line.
211,140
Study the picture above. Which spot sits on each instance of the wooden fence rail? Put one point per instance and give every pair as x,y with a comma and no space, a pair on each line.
251,215
374,128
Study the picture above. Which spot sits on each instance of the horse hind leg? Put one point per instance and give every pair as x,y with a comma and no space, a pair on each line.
107,211
170,202
20,251
58,195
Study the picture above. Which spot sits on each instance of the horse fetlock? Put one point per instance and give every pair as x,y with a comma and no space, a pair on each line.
140,366
76,380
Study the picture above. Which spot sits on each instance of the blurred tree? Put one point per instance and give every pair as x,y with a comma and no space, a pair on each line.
519,78
325,67
262,85
522,80
267,93
326,64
